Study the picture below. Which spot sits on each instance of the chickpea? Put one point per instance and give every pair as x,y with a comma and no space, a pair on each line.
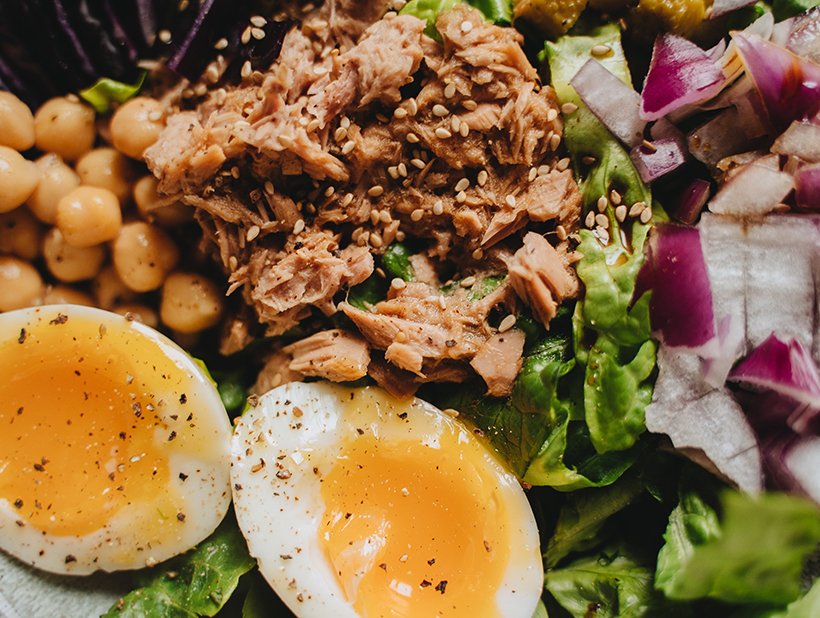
20,234
89,216
20,284
65,127
109,290
136,125
16,123
71,264
18,179
160,209
108,169
57,180
66,295
140,313
143,256
190,303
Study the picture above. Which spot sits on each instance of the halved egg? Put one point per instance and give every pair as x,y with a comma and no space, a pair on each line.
114,444
359,504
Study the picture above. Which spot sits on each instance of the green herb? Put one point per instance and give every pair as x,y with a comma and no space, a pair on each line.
486,285
103,94
396,262
743,549
367,293
195,584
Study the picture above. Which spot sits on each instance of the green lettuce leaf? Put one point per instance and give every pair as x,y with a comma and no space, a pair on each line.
498,11
106,91
195,584
615,583
807,606
396,262
743,549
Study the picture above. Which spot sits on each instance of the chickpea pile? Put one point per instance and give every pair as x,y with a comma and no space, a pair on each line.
83,223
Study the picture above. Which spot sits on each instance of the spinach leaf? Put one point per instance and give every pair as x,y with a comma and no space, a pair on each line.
367,293
743,549
396,262
195,584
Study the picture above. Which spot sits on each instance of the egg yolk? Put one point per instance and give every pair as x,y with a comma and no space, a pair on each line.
81,434
416,530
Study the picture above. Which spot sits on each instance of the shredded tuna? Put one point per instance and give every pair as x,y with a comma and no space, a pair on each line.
335,355
499,361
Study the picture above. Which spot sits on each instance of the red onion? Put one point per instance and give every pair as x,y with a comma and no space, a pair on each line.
731,339
680,73
664,156
615,103
692,200
804,36
802,140
755,190
721,7
789,85
807,188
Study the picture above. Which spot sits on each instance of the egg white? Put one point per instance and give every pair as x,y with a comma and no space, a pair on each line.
278,501
138,535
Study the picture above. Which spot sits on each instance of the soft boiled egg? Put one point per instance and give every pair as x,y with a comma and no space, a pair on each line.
359,504
114,447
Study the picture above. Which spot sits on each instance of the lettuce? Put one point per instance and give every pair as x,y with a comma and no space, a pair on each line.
195,584
498,11
738,548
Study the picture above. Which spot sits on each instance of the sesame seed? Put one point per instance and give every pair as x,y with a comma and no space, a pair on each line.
320,71
363,238
374,217
602,203
482,178
164,36
455,124
258,21
233,263
221,43
636,209
440,111
246,36
510,201
469,105
258,33
466,26
443,133
235,172
552,114
464,129
543,170
393,172
588,160
562,164
533,174
346,200
313,125
602,234
600,50
299,226
376,240
348,147
478,254
462,184
569,108
156,115
345,122
646,215
413,138
506,324
400,235
398,284
561,232
417,214
339,134
649,146
412,107
468,282
555,141
330,191
252,233
615,197
246,70
449,91
590,220
402,170
602,220
399,113
620,213
417,163
438,208
461,197
269,187
375,191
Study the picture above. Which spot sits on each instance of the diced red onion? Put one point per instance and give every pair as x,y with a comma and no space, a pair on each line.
787,369
807,188
615,103
788,84
802,461
801,139
681,304
721,7
731,338
665,155
718,138
680,73
804,36
753,191
715,53
692,200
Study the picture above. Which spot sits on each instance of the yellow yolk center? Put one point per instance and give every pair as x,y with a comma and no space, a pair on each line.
414,530
79,427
